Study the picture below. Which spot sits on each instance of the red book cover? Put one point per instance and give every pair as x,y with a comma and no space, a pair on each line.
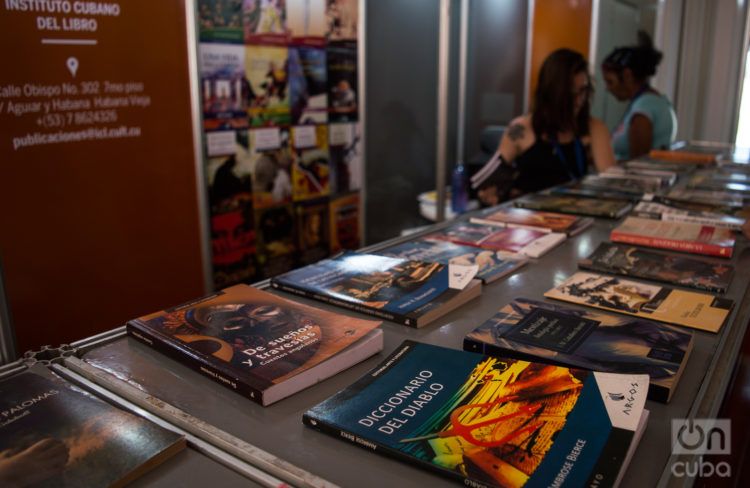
679,236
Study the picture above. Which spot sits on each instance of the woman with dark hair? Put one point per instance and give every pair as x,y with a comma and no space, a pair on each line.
555,143
649,121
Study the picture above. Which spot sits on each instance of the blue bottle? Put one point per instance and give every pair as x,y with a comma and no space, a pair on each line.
459,189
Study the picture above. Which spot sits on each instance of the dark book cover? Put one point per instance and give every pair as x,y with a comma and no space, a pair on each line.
308,88
487,421
343,91
52,434
396,289
579,191
696,206
233,246
666,267
622,183
344,220
312,230
594,207
258,344
537,331
492,264
276,240
225,91
698,310
220,21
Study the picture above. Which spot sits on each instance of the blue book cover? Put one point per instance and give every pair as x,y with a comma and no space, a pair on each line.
492,265
400,290
538,331
490,421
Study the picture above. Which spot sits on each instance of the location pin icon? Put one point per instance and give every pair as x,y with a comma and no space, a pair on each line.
72,64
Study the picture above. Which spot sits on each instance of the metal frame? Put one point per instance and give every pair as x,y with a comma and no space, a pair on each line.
197,125
362,82
442,106
527,68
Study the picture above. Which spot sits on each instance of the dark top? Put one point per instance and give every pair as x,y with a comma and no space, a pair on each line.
540,166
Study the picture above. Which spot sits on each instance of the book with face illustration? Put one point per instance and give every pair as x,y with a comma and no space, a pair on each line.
490,421
256,343
700,311
54,434
532,219
539,331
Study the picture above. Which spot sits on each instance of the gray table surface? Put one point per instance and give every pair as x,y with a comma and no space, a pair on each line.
278,428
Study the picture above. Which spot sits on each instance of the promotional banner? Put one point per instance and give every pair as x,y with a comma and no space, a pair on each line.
100,219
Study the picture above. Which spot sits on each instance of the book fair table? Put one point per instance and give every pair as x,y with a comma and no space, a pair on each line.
242,425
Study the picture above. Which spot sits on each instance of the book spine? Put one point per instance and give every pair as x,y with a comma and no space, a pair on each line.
676,245
393,317
385,450
219,375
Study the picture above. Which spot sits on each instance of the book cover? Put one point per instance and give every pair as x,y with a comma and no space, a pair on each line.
265,22
400,290
225,91
704,182
577,190
342,18
268,158
659,165
220,21
306,21
677,236
593,207
536,331
666,267
711,197
266,70
312,230
233,246
347,167
664,177
344,222
256,343
523,241
308,89
276,240
487,421
622,183
343,92
53,434
311,170
492,265
700,311
653,210
520,217
690,155
693,206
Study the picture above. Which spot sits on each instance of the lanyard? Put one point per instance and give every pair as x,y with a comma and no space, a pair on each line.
580,158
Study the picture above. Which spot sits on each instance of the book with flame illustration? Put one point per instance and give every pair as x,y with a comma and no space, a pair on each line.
491,421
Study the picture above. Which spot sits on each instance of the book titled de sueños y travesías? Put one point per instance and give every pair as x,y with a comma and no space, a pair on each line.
489,421
258,344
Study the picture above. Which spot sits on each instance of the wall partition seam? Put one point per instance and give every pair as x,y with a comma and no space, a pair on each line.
527,68
745,36
7,336
463,48
197,124
594,35
362,107
442,106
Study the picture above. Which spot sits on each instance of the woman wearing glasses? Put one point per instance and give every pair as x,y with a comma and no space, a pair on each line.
555,143
649,121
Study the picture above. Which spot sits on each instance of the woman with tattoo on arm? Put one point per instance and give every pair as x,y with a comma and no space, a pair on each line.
555,143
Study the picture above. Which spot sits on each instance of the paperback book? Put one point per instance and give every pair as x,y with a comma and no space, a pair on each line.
593,207
535,331
648,163
687,155
532,219
666,267
258,344
694,206
487,421
653,210
711,197
410,292
664,177
623,183
520,241
492,265
578,190
700,311
53,434
677,236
